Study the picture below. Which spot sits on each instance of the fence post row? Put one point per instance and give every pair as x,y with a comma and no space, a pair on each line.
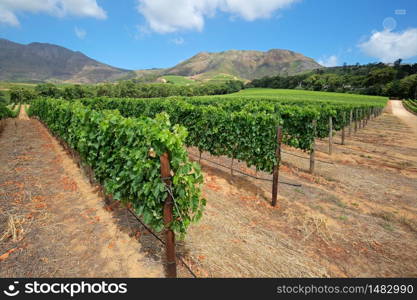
276,167
168,218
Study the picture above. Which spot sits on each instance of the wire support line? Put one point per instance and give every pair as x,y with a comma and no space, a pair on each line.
323,161
246,174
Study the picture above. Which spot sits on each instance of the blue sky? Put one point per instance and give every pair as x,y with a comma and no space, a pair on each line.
141,34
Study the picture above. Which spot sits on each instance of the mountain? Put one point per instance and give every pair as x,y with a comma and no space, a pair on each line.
246,64
39,62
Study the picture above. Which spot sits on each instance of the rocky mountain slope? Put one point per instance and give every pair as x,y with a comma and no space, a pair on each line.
38,62
245,64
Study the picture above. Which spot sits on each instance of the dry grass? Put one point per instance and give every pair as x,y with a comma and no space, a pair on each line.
14,229
242,246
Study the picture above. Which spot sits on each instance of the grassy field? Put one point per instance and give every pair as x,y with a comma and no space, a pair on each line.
180,80
305,95
8,85
220,78
5,87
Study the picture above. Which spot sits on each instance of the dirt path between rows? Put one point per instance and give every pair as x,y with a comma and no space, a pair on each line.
52,223
22,113
408,118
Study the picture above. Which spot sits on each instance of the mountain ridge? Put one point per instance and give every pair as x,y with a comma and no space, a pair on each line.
45,62
40,62
246,64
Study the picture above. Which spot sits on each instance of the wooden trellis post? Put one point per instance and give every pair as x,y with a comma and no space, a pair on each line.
356,120
168,218
343,128
330,135
363,118
350,122
276,168
313,149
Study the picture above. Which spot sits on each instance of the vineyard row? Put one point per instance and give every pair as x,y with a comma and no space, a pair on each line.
125,155
411,105
243,129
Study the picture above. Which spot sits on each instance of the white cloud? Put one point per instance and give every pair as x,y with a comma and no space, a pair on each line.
389,46
8,17
254,9
165,16
178,41
80,33
59,8
330,61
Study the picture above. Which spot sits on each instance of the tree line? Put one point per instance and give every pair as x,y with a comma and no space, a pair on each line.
397,80
123,89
